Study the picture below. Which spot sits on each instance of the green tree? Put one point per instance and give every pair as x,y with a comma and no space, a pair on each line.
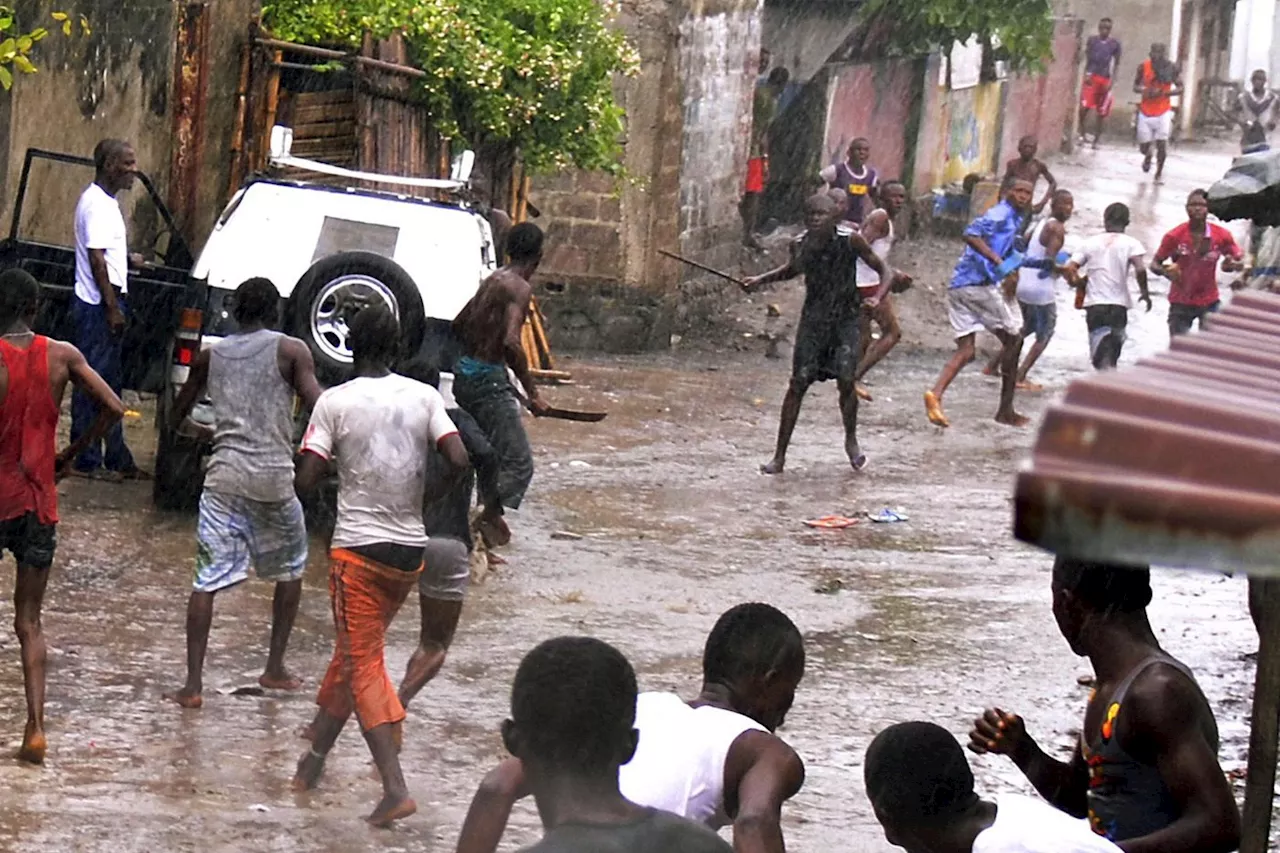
1019,32
16,46
536,75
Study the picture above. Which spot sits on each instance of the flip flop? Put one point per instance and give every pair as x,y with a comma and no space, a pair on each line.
831,522
888,516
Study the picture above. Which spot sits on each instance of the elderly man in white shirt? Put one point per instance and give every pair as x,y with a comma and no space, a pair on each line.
99,310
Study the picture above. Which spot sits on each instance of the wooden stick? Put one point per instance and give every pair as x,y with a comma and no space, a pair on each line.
540,336
273,102
702,267
1261,782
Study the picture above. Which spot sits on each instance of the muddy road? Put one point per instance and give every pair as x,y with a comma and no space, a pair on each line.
930,619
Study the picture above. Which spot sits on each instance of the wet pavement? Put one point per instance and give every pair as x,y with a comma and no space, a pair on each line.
935,618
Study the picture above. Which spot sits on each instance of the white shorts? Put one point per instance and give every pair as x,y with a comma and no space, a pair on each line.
982,306
1154,128
234,533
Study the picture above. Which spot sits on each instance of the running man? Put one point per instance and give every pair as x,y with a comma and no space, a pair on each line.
1257,107
827,344
1188,256
249,513
1106,260
1157,81
1027,167
34,372
921,788
1145,770
1102,58
377,429
99,308
857,179
573,710
489,329
878,232
764,109
714,760
1036,279
981,296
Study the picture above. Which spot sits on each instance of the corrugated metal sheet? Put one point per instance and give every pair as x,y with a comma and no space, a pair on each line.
1175,461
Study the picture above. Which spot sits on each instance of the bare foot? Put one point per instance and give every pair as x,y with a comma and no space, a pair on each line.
390,810
185,697
989,370
33,746
494,560
1012,418
283,680
862,392
310,767
1030,387
773,466
308,732
494,529
933,408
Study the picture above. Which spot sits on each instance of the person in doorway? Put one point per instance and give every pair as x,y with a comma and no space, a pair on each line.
489,328
921,789
1145,771
1257,107
377,429
99,309
573,708
714,760
1102,58
1036,279
859,181
249,513
982,296
1188,256
764,110
1105,261
878,232
34,372
827,345
1157,81
1027,167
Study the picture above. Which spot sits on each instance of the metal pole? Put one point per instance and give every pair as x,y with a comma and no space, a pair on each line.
1264,602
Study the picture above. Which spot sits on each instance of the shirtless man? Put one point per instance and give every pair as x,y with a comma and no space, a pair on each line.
878,232
489,328
714,760
827,337
249,513
1145,769
1027,167
34,372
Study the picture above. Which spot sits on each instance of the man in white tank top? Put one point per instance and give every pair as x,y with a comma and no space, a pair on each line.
877,230
715,759
1036,292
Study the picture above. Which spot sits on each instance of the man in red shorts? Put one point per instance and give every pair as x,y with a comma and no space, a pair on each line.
1102,57
764,110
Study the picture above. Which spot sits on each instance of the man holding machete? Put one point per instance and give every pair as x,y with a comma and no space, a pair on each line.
827,337
489,329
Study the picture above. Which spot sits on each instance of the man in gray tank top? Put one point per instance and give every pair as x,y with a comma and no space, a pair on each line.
1145,770
249,513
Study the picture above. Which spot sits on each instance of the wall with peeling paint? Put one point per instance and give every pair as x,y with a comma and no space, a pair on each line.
874,100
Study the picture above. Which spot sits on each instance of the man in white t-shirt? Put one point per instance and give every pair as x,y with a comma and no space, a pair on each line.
99,310
921,787
1106,260
377,429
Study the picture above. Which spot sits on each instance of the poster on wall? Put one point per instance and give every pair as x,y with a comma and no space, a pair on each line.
965,61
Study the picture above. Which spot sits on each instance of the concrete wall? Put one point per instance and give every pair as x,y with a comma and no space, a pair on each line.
964,133
875,100
802,34
117,82
1041,105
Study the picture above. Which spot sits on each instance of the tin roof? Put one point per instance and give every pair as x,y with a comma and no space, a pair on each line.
1175,461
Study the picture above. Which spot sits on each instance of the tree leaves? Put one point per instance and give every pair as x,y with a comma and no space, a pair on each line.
14,51
534,74
1020,32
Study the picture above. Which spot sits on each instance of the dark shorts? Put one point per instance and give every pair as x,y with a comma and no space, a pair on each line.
1038,321
1106,324
1183,317
31,542
826,347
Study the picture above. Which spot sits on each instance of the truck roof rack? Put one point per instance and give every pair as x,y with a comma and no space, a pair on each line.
281,156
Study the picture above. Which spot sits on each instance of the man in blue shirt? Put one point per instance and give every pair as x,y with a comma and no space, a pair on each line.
981,296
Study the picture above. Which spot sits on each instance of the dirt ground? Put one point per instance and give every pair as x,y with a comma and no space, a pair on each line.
934,619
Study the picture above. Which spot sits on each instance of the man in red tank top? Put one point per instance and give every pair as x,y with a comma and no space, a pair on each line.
34,372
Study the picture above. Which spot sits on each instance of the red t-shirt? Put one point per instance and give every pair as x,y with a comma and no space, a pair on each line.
1198,284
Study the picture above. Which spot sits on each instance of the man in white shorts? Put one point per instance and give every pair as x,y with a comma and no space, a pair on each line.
982,296
248,510
921,788
1157,81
